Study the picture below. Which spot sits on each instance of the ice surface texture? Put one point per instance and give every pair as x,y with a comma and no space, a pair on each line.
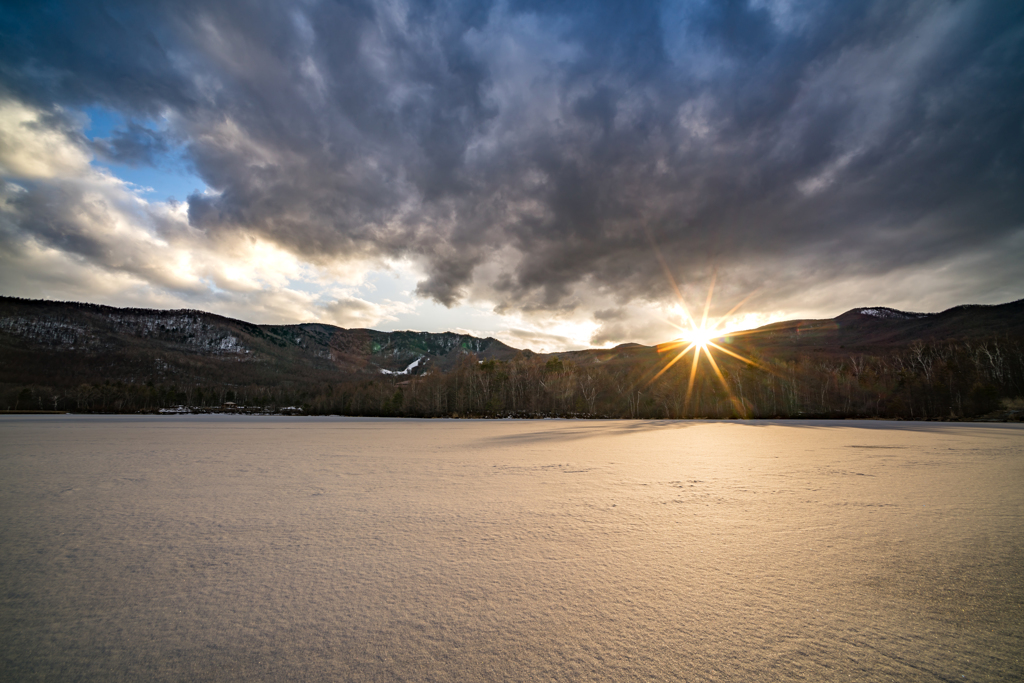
216,548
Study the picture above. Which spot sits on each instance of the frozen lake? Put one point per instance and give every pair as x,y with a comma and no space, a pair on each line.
216,548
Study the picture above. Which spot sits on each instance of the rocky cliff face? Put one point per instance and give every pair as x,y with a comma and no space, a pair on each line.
133,343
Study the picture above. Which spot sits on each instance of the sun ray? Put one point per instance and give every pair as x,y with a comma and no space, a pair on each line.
748,361
734,309
671,279
701,339
678,327
707,304
693,377
671,363
732,397
668,346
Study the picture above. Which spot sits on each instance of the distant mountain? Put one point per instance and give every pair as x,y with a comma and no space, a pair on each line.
879,329
40,339
66,344
868,362
875,330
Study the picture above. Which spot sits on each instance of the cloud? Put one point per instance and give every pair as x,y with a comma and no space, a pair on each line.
346,310
30,148
535,157
71,231
134,145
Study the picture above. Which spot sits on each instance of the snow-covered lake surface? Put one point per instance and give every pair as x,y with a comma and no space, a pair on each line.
218,548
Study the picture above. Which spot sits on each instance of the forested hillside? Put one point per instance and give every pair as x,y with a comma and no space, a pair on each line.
961,363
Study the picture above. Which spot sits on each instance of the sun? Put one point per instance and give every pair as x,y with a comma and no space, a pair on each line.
700,336
701,339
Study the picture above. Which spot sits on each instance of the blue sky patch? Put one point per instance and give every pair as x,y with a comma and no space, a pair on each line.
168,177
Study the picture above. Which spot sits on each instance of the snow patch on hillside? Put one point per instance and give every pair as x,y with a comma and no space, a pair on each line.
230,344
49,332
408,370
890,313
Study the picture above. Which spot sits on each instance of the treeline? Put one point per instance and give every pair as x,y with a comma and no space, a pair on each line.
938,381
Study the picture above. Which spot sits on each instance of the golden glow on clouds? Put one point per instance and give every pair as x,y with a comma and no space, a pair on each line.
135,252
30,150
149,255
545,335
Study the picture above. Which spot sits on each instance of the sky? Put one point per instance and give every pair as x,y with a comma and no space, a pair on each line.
555,174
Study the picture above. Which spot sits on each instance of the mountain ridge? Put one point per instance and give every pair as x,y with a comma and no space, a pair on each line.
865,330
175,338
866,362
861,329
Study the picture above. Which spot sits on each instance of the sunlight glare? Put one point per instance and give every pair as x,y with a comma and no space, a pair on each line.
700,336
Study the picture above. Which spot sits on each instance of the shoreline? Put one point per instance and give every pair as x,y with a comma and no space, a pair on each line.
1015,419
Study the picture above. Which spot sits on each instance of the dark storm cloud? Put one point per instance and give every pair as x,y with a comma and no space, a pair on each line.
560,141
134,145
